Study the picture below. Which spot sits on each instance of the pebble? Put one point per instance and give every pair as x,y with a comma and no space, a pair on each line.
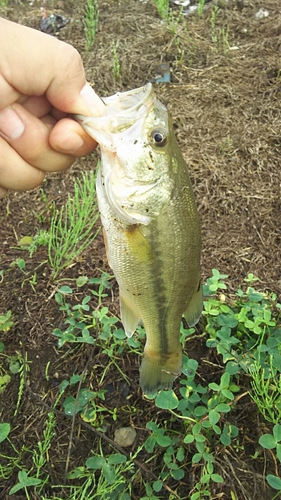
125,436
262,13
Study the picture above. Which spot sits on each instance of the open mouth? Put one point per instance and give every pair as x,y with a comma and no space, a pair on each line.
122,111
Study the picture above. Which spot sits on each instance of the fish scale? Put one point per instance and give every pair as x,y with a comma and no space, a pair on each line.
151,227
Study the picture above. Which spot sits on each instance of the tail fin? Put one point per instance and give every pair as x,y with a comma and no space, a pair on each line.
157,373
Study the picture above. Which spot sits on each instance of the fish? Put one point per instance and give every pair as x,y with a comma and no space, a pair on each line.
151,227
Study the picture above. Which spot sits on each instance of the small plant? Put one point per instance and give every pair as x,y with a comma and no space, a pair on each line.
81,322
223,35
4,431
40,239
40,453
201,4
244,331
91,21
219,36
19,365
213,22
11,365
6,322
271,442
104,477
163,8
20,263
29,478
25,482
93,327
226,147
266,386
174,21
72,227
87,402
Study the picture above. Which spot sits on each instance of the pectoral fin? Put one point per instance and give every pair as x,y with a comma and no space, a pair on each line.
129,316
194,309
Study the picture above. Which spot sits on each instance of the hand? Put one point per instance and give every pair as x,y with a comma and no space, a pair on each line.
42,80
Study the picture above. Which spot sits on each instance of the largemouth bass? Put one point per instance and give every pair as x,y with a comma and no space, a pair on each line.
151,227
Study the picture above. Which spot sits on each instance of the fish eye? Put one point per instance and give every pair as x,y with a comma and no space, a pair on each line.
159,138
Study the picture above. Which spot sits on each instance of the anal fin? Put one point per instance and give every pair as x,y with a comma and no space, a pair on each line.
194,309
129,316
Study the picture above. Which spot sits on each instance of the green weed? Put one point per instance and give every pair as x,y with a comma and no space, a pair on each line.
101,477
163,8
266,389
201,4
24,482
223,35
11,365
233,330
71,230
245,325
213,22
91,21
226,147
39,454
245,333
20,263
72,227
41,238
174,21
4,431
219,35
6,322
273,442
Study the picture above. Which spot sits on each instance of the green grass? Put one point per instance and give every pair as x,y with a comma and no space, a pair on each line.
91,22
201,4
220,36
71,230
163,8
72,227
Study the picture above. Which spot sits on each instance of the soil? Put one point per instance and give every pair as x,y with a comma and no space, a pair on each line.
225,100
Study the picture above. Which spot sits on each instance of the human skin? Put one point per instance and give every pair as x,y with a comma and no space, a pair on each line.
42,82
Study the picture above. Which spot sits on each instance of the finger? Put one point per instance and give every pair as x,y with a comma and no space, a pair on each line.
3,192
29,137
38,106
59,74
67,136
15,172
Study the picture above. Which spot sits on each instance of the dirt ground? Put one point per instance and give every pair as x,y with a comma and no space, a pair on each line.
225,100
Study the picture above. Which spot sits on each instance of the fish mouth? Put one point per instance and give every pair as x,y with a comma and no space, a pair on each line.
128,102
122,111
